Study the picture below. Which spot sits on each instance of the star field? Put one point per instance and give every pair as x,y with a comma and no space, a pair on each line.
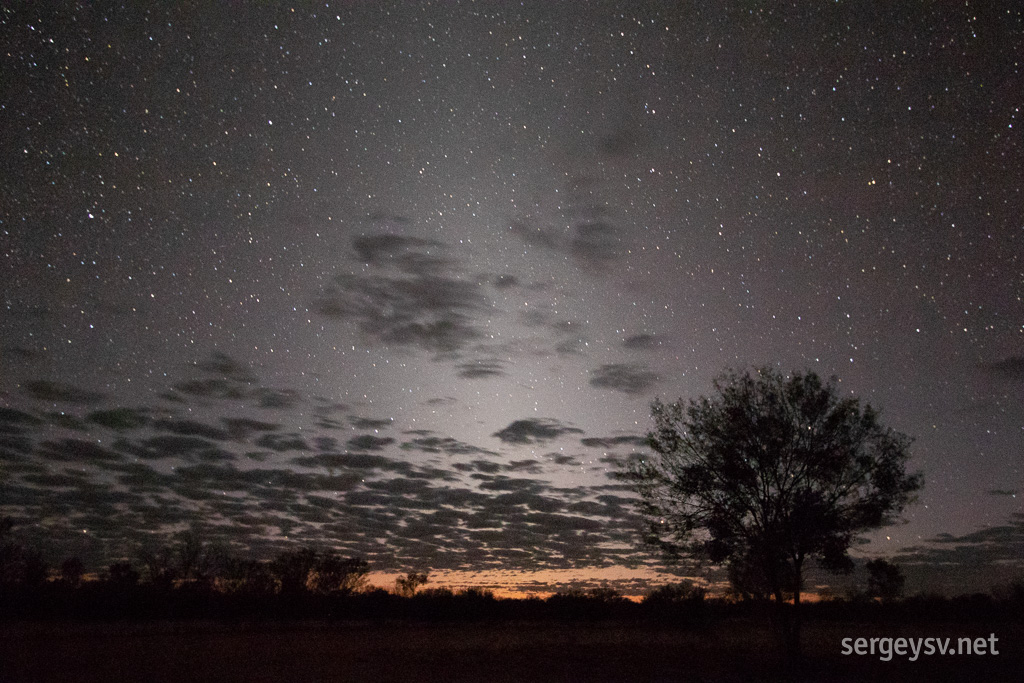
402,279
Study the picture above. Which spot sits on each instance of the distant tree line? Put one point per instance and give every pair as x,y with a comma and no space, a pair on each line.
186,579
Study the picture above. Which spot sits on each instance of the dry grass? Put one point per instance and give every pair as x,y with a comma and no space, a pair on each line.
734,650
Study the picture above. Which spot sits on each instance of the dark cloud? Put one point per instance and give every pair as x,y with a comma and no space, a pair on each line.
14,421
485,466
188,448
419,307
120,419
627,378
529,466
283,442
571,347
76,451
67,421
46,390
190,428
276,398
240,428
641,342
369,442
371,423
621,143
389,217
225,366
534,430
948,563
505,281
1011,367
595,244
1012,493
533,234
618,462
444,444
229,379
24,354
356,461
479,369
408,254
610,442
207,388
432,313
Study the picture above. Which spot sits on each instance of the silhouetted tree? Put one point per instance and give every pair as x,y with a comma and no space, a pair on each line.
10,554
885,580
122,574
34,569
19,566
161,568
769,472
606,594
335,574
681,592
292,570
408,584
71,571
191,561
247,577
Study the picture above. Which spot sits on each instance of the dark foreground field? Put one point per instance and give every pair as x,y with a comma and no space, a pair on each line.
732,650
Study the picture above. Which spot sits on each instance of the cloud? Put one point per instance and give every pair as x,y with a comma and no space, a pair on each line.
352,461
533,235
283,442
407,254
1012,493
979,558
444,444
371,423
24,354
240,428
641,342
276,398
229,379
534,430
1011,367
479,369
613,441
595,244
505,281
564,459
14,421
227,367
478,466
621,142
141,471
187,448
406,297
369,442
76,451
119,419
190,428
46,390
629,379
529,466
429,312
207,388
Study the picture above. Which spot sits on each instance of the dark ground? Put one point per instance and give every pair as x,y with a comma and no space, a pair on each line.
730,650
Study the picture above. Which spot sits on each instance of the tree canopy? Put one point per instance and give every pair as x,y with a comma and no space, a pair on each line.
770,471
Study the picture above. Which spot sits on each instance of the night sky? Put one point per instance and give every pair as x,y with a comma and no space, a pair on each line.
402,279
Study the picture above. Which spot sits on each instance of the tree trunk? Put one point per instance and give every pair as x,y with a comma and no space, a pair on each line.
793,644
